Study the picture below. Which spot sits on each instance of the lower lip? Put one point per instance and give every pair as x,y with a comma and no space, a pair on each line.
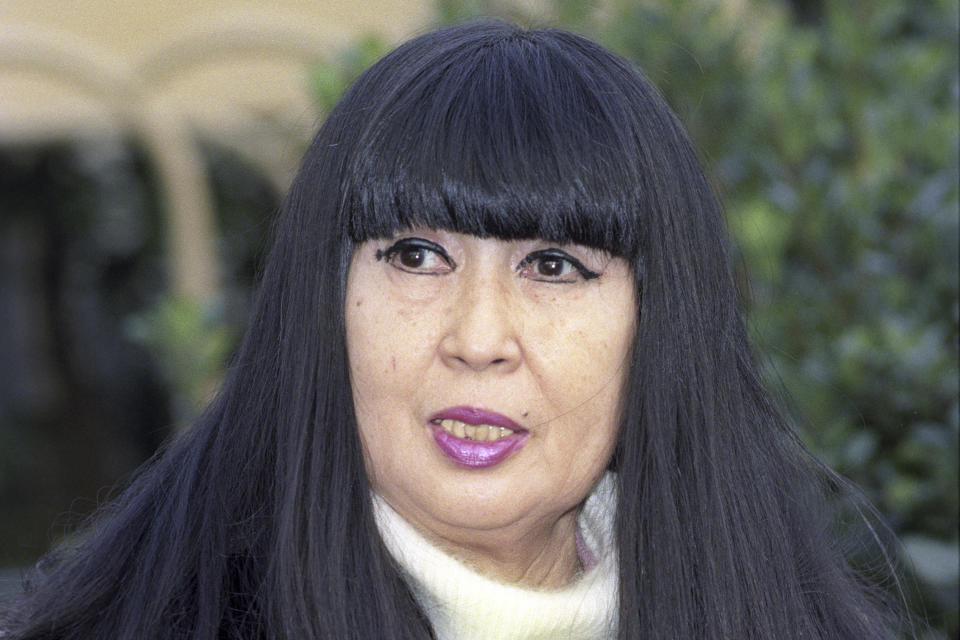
475,454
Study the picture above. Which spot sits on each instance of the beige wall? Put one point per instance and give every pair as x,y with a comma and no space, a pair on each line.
68,66
170,71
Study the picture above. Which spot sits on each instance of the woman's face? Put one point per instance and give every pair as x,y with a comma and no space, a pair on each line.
486,376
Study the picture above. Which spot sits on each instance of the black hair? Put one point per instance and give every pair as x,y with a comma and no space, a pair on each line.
257,521
499,132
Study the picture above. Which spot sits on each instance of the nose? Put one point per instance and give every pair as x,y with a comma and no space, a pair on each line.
482,330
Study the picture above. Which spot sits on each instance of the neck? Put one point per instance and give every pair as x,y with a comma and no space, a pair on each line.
544,557
465,604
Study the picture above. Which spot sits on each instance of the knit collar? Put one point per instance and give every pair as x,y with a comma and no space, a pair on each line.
464,605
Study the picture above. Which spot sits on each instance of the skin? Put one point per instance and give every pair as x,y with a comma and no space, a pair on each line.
458,320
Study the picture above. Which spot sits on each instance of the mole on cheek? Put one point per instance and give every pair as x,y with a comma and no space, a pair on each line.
359,302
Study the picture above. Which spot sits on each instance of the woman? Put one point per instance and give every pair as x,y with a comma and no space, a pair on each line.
496,385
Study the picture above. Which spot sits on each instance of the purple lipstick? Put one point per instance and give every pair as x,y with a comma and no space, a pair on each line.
476,438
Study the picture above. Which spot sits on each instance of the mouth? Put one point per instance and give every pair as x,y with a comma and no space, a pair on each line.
476,438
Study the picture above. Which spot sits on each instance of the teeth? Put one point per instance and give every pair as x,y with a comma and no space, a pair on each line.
477,432
453,426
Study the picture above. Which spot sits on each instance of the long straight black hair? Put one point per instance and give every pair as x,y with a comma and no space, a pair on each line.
257,522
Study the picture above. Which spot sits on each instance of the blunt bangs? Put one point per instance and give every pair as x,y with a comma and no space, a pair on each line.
513,134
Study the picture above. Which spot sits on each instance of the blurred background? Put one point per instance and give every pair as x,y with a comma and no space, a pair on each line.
145,148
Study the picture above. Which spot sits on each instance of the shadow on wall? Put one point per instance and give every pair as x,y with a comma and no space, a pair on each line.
84,399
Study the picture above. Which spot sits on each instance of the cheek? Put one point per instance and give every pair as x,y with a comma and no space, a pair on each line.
366,350
388,350
387,346
583,358
583,364
372,367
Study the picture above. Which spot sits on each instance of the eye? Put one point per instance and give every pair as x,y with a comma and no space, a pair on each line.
554,265
416,255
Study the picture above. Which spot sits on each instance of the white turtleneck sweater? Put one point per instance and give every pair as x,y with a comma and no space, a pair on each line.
465,605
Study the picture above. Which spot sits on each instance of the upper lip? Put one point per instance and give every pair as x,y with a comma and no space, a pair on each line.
475,416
